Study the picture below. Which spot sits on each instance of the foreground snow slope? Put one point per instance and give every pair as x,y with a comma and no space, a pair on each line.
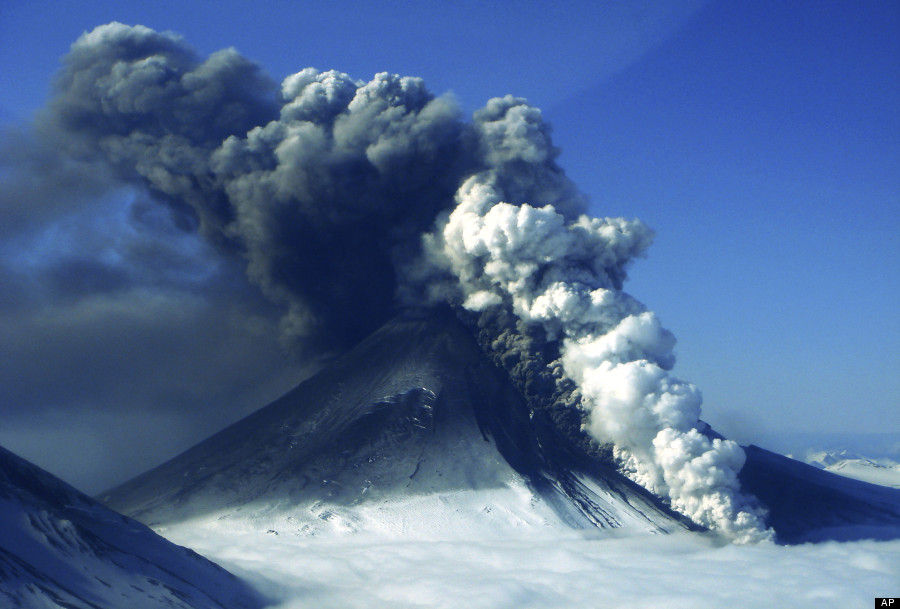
413,432
60,548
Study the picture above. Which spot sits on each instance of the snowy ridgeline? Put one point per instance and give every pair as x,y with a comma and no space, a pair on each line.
870,457
875,470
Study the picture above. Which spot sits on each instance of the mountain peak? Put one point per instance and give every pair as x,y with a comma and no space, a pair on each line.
415,431
414,413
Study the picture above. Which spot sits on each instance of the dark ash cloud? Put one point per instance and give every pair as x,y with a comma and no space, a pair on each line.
170,222
323,187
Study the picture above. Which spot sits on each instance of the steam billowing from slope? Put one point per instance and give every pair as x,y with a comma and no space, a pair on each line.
327,194
566,277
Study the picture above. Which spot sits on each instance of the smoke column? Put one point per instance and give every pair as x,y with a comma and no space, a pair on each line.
343,196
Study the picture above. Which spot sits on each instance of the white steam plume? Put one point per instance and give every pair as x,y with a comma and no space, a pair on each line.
566,276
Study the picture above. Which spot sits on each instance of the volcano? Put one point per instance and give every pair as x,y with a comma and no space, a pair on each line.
416,433
413,432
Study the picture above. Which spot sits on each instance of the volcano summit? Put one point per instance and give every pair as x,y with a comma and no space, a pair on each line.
412,432
415,433
410,451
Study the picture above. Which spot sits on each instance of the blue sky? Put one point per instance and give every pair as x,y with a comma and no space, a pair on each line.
759,140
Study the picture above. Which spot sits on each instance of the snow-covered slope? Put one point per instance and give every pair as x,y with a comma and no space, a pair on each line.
415,434
412,433
60,548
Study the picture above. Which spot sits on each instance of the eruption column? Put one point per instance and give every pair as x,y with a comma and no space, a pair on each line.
325,189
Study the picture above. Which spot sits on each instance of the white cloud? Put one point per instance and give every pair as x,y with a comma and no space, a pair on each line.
531,570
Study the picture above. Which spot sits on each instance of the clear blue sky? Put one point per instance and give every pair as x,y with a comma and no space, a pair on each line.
761,140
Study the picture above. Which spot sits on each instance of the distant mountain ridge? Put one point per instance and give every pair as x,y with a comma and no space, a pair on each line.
808,504
883,471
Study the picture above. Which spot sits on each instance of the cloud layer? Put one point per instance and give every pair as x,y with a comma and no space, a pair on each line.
673,571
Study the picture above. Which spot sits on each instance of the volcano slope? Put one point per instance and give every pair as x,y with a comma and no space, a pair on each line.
60,548
414,432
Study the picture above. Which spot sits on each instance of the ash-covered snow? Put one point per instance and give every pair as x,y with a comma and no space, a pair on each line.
413,432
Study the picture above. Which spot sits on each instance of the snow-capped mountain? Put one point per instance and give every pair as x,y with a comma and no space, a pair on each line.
415,433
883,471
60,548
411,433
411,473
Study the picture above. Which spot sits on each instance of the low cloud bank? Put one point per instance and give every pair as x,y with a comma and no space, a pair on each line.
673,571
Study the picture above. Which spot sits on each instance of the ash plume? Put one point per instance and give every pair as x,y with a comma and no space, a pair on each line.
346,197
319,186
